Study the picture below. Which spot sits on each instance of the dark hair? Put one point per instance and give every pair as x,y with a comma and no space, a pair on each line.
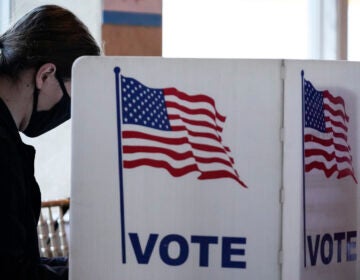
48,33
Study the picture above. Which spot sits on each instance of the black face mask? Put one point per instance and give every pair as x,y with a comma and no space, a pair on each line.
43,121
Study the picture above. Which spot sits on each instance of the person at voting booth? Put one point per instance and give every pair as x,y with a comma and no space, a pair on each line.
36,56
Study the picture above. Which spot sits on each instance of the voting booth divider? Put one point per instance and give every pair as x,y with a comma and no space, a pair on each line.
214,169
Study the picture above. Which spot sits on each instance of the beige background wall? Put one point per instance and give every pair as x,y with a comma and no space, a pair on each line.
131,40
138,33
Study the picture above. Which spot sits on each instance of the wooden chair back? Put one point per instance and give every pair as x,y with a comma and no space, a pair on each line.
53,241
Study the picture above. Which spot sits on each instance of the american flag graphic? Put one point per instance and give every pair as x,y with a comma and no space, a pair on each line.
169,129
326,145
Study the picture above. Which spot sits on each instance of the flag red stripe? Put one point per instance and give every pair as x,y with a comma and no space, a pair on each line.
215,160
175,155
335,100
336,113
208,148
194,99
321,166
159,150
142,135
196,134
336,123
337,134
191,111
195,122
220,174
173,141
345,173
326,143
328,171
176,172
327,156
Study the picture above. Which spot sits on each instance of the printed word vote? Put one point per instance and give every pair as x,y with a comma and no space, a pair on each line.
231,249
330,247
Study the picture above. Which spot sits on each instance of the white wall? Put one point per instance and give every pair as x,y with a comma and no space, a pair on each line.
236,28
4,15
354,23
53,148
296,29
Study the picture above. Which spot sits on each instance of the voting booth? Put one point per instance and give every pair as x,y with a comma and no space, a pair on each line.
214,169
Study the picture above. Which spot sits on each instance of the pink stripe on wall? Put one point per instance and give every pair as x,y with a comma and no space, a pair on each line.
137,6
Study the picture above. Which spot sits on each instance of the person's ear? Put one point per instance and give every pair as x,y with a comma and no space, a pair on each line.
43,73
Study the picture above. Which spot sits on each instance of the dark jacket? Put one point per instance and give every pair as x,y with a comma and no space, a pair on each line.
19,207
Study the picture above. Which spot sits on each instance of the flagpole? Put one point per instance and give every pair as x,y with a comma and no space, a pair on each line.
303,160
121,183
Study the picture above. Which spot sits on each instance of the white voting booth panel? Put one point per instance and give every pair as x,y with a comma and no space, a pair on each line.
321,119
176,169
215,169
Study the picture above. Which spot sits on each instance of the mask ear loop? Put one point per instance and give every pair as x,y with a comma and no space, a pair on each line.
35,99
62,85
